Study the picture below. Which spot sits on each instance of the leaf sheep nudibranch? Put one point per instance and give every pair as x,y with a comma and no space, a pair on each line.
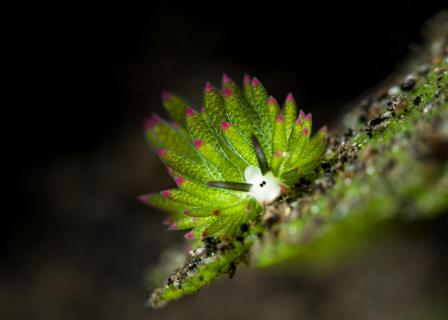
230,158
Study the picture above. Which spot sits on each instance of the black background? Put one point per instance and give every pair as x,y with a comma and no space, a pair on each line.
89,74
92,64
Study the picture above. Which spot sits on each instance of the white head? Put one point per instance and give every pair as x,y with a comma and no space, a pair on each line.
266,188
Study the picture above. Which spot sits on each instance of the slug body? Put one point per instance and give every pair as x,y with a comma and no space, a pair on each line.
230,158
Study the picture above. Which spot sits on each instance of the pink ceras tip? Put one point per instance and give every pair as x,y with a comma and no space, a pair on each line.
162,152
143,198
272,100
255,82
309,117
305,131
225,125
151,122
166,193
280,118
289,98
227,92
166,95
208,87
167,221
189,112
226,79
189,235
198,143
179,180
324,129
172,227
247,80
301,114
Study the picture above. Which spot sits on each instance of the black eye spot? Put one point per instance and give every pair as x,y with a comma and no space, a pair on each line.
261,184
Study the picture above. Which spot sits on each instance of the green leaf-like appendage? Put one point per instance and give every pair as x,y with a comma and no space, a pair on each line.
229,160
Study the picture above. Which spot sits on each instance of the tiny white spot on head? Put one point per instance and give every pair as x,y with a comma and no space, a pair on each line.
264,188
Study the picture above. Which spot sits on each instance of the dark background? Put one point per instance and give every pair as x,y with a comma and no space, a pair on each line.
76,243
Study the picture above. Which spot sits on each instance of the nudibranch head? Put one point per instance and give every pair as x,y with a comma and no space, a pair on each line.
265,188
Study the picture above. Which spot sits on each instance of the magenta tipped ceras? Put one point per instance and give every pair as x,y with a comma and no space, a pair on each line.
226,79
208,87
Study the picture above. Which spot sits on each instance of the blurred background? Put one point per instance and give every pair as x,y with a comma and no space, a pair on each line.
76,242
